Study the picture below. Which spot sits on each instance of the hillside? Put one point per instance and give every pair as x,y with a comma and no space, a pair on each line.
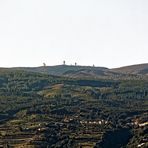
141,69
40,110
125,73
128,72
61,70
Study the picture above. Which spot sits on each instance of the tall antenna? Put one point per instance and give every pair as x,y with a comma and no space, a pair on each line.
64,63
44,64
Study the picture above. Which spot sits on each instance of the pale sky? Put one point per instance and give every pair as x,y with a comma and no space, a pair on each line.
109,33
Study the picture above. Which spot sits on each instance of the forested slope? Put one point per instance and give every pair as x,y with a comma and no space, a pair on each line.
40,110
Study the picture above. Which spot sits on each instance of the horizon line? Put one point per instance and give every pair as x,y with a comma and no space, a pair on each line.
77,65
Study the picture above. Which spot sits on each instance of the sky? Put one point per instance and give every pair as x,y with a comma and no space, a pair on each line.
109,33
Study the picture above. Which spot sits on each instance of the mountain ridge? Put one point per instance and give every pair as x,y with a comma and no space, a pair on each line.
86,71
141,69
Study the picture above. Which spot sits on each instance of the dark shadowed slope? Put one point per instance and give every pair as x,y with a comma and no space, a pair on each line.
133,69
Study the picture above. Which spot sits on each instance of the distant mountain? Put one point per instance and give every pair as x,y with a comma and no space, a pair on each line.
66,70
141,69
88,71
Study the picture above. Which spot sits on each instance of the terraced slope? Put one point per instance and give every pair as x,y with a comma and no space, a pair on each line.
40,110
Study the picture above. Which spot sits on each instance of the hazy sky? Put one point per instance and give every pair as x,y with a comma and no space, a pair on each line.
107,33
